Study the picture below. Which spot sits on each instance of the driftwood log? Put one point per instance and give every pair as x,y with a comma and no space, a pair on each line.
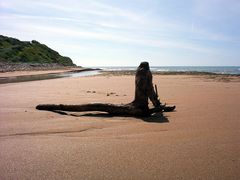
144,90
113,109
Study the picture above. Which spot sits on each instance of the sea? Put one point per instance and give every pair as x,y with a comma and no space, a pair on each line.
208,69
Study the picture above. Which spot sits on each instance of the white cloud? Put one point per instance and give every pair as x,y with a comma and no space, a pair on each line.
124,38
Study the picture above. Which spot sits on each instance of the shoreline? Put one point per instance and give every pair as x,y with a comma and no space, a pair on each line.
132,72
104,72
17,73
25,76
33,75
205,75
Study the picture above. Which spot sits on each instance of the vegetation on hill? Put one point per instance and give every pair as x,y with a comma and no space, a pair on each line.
15,51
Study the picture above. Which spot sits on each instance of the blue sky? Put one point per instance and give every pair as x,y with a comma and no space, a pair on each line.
125,32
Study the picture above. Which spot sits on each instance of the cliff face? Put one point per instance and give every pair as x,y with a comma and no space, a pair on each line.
15,51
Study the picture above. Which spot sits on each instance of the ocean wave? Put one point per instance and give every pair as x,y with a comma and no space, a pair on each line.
204,69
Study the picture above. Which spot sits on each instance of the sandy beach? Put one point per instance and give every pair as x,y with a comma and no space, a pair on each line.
27,73
200,140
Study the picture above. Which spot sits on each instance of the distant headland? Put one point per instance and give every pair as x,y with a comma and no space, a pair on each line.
29,55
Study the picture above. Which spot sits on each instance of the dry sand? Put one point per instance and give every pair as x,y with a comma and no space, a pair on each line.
200,140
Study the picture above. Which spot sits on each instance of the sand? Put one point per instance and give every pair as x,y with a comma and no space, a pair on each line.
200,140
27,73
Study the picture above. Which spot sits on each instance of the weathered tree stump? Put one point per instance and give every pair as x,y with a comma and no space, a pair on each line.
138,107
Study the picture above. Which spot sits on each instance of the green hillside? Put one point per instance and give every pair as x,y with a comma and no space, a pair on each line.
16,51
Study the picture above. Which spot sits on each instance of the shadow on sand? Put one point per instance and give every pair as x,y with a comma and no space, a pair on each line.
155,118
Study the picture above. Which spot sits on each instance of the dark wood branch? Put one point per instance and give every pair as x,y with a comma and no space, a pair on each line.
112,109
109,108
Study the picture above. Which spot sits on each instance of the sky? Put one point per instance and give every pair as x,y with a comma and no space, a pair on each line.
126,32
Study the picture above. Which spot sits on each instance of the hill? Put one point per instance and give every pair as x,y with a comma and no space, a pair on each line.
15,51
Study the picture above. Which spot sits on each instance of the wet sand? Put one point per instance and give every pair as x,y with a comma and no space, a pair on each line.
27,73
200,140
24,76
